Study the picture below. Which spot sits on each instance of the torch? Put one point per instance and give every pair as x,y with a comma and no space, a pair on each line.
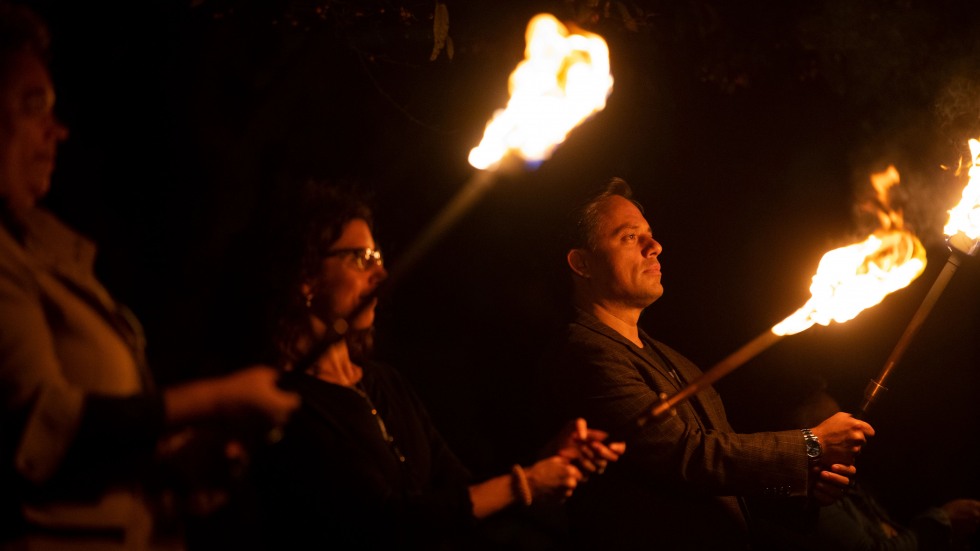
963,240
848,280
563,80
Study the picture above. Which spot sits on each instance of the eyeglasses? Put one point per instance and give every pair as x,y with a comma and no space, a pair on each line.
365,258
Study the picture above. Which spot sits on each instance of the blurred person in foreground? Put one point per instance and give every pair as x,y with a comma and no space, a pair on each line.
81,418
361,464
682,485
858,521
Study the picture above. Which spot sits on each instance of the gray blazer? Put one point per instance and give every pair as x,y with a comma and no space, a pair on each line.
62,338
676,485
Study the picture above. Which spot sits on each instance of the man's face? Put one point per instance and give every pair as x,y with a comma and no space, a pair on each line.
29,131
624,268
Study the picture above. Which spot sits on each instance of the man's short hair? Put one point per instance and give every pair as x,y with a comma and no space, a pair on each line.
584,221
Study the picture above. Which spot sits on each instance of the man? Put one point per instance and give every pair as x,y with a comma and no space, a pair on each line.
80,416
680,486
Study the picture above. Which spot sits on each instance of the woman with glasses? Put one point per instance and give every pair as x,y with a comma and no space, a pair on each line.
361,465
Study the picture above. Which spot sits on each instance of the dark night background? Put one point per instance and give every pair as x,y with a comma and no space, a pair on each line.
748,129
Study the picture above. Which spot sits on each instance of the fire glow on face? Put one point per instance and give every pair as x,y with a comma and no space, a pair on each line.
563,80
853,278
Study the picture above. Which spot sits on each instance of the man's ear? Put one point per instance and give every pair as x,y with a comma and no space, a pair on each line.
578,262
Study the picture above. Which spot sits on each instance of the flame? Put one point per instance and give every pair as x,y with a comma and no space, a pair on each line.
963,228
856,277
562,81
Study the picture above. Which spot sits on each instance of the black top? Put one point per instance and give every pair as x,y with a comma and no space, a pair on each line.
361,468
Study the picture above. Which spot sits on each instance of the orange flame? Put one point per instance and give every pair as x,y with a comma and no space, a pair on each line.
856,277
963,228
562,81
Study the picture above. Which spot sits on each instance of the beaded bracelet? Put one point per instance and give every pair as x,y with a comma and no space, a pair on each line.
521,488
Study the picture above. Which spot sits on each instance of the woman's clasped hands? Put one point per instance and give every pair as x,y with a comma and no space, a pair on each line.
575,454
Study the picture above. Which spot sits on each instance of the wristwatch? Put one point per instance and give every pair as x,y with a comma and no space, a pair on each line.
813,449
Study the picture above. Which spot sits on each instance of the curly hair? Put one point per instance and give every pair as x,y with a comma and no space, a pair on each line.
261,309
316,222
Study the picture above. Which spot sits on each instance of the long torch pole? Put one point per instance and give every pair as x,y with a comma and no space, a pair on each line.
961,225
734,360
877,386
464,199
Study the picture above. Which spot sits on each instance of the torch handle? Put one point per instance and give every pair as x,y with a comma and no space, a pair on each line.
877,386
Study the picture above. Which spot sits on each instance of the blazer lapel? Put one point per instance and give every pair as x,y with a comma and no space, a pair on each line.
591,322
60,256
702,413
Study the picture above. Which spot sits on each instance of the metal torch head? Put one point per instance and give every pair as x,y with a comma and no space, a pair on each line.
960,242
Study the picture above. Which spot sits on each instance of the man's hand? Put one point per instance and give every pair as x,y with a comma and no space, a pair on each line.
832,485
255,389
252,390
841,437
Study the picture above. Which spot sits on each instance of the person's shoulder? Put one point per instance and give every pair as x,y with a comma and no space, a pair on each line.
381,378
47,240
570,337
35,240
585,334
380,371
44,225
583,350
11,252
579,325
671,353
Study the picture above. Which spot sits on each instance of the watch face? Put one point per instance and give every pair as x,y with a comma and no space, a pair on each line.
813,450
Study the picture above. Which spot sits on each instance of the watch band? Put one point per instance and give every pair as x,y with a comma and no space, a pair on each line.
813,449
